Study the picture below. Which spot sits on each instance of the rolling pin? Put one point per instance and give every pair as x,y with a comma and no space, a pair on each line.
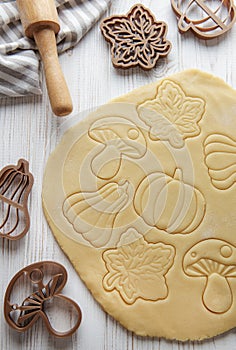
40,21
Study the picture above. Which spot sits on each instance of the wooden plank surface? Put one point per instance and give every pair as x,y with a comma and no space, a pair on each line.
28,129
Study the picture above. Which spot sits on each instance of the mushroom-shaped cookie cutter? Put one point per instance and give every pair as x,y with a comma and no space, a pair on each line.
15,185
44,281
214,260
119,137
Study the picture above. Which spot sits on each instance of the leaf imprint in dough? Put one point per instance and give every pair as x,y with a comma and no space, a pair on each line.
172,115
137,270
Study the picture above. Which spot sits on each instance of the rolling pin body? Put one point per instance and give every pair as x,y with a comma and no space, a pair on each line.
40,21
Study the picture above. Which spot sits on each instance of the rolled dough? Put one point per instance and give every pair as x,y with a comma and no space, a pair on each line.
141,197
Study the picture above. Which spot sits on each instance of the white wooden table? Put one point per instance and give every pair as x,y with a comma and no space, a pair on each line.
28,129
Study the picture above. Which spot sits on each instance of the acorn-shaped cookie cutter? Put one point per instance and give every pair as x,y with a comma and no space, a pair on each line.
46,280
15,185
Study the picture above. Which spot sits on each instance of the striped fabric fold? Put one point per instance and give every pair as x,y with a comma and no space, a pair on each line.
19,59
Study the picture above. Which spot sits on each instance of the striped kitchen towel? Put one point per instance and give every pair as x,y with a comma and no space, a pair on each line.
19,62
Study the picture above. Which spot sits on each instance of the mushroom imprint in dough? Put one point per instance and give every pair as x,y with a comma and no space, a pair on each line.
215,260
118,137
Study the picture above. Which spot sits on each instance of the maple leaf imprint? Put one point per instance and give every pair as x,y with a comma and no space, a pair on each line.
138,270
137,39
172,115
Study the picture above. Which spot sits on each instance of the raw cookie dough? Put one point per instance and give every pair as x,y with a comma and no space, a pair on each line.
141,197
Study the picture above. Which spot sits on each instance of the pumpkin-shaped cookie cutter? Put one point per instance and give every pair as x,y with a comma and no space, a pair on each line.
15,185
217,18
22,315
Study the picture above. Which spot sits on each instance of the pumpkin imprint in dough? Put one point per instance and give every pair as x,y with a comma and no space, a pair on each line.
138,270
214,260
172,116
169,204
220,159
119,137
93,214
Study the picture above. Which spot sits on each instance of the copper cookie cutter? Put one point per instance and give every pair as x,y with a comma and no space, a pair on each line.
15,185
34,292
214,19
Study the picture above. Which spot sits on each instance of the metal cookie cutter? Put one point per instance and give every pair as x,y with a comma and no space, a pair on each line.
15,185
34,292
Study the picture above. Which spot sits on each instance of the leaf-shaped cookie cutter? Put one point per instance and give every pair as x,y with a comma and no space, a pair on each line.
137,39
33,306
15,185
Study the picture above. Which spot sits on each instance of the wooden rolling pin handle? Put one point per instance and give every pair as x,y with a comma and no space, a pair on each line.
58,92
